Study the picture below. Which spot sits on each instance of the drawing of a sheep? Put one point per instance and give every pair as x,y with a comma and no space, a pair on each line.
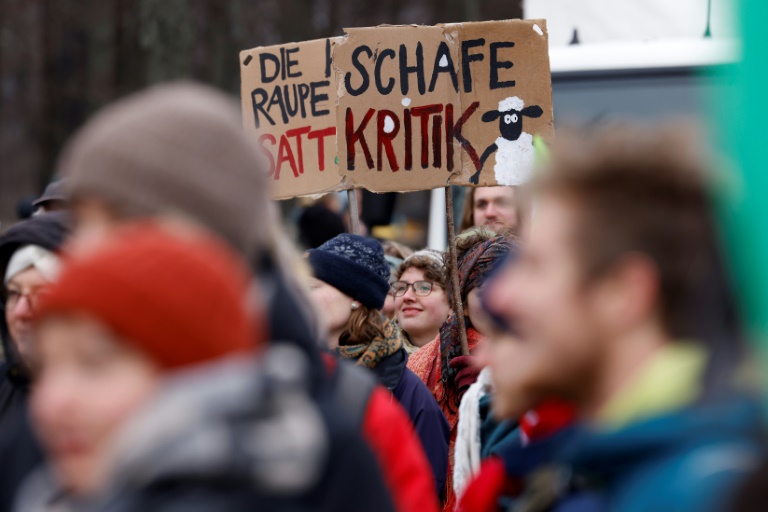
514,148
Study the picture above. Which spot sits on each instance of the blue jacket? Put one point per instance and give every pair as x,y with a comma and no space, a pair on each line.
426,416
688,460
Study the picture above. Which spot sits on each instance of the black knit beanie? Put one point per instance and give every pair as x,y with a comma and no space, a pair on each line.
355,266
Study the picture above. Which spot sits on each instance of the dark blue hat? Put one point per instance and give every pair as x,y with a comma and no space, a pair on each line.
355,266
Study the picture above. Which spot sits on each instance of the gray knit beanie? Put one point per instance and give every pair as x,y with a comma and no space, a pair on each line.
175,149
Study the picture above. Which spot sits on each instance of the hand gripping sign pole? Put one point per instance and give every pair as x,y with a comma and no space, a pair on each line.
456,302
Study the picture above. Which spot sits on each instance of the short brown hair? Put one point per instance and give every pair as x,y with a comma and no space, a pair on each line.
428,261
641,191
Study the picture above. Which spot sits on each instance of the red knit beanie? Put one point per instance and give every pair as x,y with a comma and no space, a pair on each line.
180,299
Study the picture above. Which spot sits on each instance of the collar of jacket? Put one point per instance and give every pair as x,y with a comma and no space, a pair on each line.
670,380
736,421
390,369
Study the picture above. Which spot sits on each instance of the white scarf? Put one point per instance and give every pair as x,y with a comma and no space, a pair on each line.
467,449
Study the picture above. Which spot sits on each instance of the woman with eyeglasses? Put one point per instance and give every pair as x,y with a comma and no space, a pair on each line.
349,287
28,265
440,364
421,302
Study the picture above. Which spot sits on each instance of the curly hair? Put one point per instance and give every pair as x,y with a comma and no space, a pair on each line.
428,261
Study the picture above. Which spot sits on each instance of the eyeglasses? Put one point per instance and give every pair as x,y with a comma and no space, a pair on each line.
420,288
12,297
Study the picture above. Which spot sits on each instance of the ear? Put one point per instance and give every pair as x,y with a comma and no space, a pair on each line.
491,116
629,293
532,111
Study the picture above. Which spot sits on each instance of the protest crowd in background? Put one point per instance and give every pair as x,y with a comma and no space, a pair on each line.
168,345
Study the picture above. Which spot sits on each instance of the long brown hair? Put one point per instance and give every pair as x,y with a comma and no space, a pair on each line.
364,325
467,216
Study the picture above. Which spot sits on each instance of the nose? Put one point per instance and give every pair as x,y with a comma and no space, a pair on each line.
23,308
490,210
409,295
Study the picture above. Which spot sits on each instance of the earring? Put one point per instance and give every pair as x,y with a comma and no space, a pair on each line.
355,305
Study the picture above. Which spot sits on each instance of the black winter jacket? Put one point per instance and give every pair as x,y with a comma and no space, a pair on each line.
19,450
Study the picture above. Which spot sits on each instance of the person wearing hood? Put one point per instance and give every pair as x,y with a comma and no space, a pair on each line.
54,198
154,391
350,285
440,364
29,264
178,151
622,303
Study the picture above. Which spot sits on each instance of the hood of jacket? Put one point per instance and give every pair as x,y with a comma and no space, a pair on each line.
245,422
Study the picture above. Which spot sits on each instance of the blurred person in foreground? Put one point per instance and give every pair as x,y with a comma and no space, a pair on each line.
154,391
440,363
621,303
178,151
421,299
29,263
349,286
395,253
497,208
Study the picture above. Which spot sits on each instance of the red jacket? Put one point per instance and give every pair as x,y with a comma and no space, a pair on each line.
393,440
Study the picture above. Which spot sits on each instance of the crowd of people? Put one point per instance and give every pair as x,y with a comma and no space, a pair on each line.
165,346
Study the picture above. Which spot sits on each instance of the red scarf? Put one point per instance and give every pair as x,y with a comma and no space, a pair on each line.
426,363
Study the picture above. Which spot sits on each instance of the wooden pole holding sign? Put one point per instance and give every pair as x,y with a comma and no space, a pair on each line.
458,304
354,214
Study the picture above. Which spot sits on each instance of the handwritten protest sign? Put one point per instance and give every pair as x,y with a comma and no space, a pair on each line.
411,107
289,104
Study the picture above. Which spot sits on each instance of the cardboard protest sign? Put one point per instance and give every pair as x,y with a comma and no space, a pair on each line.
423,107
289,105
399,108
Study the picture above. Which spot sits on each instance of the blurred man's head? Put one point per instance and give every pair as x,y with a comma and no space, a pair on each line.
178,151
172,150
620,236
